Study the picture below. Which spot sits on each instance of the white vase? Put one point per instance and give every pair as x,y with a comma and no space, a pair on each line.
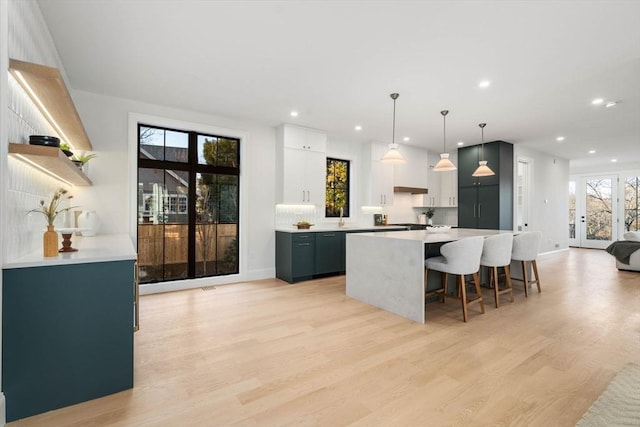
89,221
429,221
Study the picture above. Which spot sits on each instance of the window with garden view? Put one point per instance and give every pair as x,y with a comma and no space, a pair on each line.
188,204
337,191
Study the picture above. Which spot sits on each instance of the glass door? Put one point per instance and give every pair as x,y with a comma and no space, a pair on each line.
599,212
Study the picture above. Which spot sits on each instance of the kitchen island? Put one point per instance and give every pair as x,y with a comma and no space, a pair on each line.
386,269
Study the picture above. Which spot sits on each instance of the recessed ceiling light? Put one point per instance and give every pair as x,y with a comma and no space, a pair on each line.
460,143
614,160
294,114
611,104
483,84
406,139
597,101
358,127
560,138
592,151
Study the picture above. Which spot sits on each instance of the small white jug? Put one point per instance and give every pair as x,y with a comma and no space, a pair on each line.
90,222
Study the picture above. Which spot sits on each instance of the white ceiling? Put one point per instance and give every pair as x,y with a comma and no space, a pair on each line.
336,62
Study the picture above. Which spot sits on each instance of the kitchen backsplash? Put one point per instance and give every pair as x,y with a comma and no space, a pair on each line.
26,186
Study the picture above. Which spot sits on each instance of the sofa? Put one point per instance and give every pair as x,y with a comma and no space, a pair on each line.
621,249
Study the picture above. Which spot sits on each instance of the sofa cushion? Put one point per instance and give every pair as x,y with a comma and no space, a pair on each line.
632,235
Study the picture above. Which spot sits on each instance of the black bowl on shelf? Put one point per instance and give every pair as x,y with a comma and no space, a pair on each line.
49,141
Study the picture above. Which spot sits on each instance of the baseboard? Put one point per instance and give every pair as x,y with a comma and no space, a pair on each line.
553,252
178,285
3,410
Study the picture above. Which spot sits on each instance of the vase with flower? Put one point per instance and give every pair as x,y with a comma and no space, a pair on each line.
50,212
429,215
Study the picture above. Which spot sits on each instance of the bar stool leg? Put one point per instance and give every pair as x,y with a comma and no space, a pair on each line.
476,282
463,296
496,287
535,272
507,280
526,279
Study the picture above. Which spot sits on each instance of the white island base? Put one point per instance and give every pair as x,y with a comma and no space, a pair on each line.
386,269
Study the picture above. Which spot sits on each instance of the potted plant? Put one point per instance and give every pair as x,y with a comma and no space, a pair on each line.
429,213
80,160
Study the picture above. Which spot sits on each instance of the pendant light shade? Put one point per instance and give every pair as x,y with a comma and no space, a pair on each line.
393,155
483,169
444,164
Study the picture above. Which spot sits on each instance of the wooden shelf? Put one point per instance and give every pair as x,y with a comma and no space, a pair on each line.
46,88
51,160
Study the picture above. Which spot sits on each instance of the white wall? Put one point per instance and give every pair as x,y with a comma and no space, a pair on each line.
106,121
550,198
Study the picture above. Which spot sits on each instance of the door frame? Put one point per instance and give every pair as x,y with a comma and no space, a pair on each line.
580,213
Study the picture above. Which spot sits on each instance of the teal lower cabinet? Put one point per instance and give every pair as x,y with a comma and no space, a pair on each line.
329,252
295,256
67,334
304,256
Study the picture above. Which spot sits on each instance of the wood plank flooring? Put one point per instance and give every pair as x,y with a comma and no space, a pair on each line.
267,353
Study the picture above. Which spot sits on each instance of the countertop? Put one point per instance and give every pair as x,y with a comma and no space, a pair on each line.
330,227
100,248
431,237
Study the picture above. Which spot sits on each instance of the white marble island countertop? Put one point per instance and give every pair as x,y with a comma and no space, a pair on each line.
100,248
436,236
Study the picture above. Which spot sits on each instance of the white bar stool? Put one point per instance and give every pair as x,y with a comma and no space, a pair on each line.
461,257
496,252
525,249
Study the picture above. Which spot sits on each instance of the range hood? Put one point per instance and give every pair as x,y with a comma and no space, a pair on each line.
412,190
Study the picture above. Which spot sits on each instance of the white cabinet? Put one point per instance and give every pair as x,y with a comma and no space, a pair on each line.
443,186
449,185
377,183
301,165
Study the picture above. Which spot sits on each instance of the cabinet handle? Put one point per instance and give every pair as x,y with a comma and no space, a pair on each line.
479,210
454,200
304,244
136,298
328,235
303,237
385,199
308,196
474,210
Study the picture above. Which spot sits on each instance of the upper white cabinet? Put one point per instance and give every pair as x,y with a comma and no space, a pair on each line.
377,183
413,172
443,186
449,184
301,165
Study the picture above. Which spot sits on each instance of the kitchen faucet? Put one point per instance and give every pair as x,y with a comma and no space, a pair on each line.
341,223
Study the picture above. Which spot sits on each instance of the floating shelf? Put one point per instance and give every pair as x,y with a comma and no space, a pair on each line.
46,88
50,160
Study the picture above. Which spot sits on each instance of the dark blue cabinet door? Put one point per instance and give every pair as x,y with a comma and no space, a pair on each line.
329,252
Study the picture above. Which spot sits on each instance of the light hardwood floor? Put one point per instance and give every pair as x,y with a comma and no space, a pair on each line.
267,353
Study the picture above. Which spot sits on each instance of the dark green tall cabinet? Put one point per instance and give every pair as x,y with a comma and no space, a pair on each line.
486,202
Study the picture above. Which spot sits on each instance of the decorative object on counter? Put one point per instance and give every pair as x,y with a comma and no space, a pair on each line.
377,219
49,141
66,233
444,164
429,215
50,212
89,222
483,169
50,242
422,218
439,229
303,225
393,155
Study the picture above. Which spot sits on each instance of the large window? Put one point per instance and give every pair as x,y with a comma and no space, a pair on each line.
337,191
188,204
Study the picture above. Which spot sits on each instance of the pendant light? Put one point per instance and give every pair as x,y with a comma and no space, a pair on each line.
393,155
444,164
483,169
